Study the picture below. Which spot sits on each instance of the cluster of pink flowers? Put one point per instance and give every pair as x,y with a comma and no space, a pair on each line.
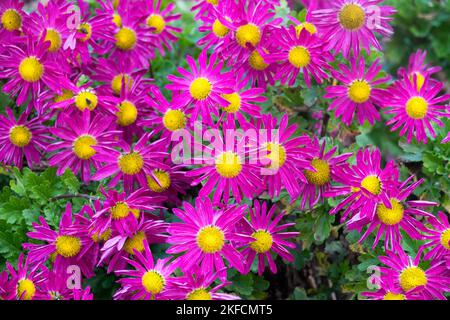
92,108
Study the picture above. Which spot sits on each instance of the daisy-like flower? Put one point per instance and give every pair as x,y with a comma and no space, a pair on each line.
437,238
351,24
302,53
79,133
197,286
202,87
147,280
358,95
206,236
12,18
132,163
366,185
318,181
299,26
400,216
68,246
22,137
25,282
30,70
119,247
430,283
388,291
418,67
416,110
268,237
55,285
159,21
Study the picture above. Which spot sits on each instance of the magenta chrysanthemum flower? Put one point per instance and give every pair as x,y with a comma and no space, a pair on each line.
132,163
388,291
401,216
268,237
437,238
12,18
406,272
303,53
419,68
197,286
325,168
202,87
358,95
79,134
68,246
22,137
368,185
148,280
351,24
416,110
206,236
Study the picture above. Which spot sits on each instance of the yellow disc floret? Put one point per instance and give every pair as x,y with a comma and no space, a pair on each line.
359,91
135,243
116,83
86,29
235,102
199,294
162,182
263,241
306,25
174,120
86,99
127,113
210,239
321,176
248,34
126,39
394,296
31,69
153,282
412,277
391,216
25,289
219,29
372,184
228,164
200,88
54,37
117,20
11,20
131,163
299,56
257,62
352,17
156,22
417,108
277,155
20,136
66,95
82,147
445,239
120,210
68,246
420,79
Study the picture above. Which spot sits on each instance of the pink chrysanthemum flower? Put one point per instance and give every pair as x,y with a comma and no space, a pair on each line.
388,291
119,247
197,286
24,283
22,137
268,237
132,163
12,18
30,70
358,95
406,272
302,53
416,110
318,181
79,134
148,280
68,246
202,87
418,67
55,286
401,216
206,236
437,238
366,185
351,24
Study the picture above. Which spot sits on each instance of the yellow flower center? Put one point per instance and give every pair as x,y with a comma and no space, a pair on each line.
131,163
117,20
359,91
126,39
213,2
200,88
322,174
174,120
120,211
299,56
86,99
66,95
55,39
228,165
210,239
445,239
276,154
420,79
82,147
68,246
105,236
86,29
263,241
20,136
219,29
163,178
248,34
157,22
412,277
257,62
392,216
27,286
135,243
417,108
352,17
11,20
394,296
116,83
153,282
199,294
31,69
306,25
372,184
235,102
127,113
